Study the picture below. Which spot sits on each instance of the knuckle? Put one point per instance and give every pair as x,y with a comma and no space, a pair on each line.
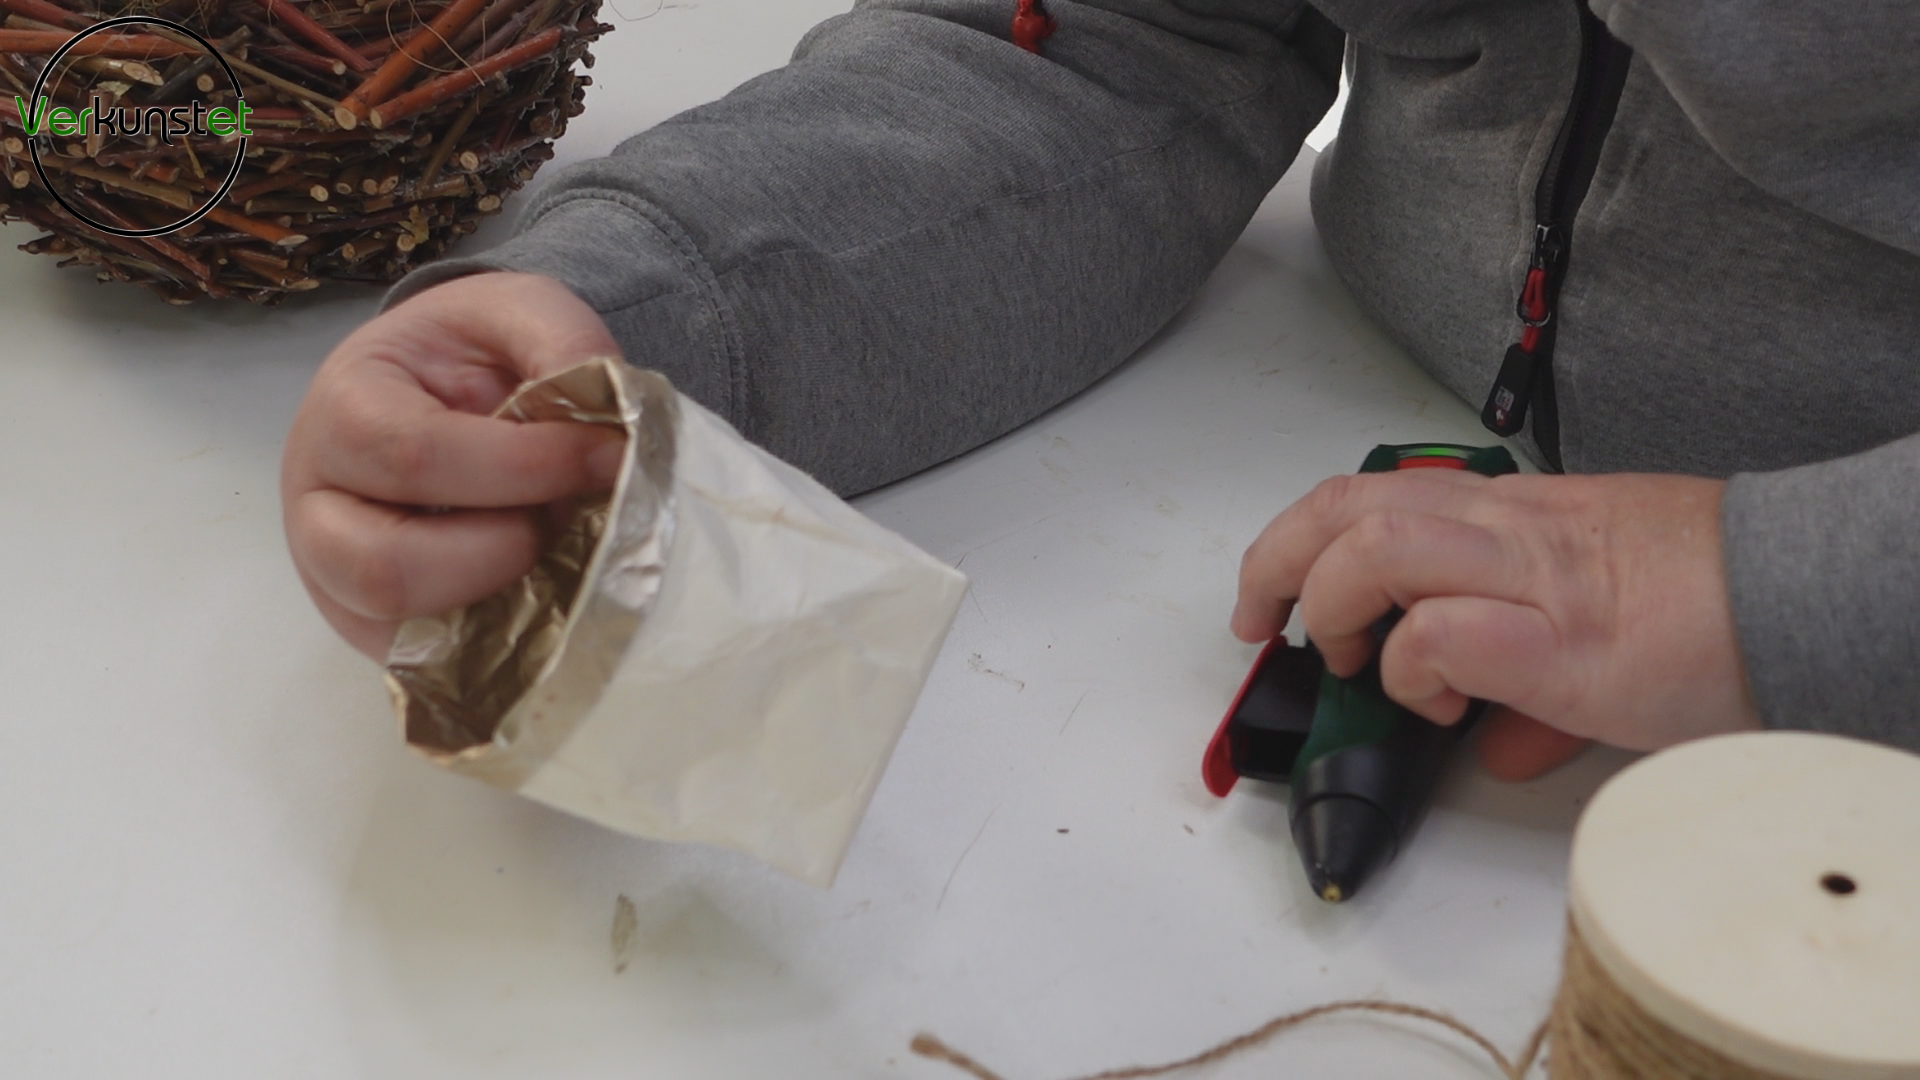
1258,554
1381,535
396,450
1407,676
1330,495
1250,559
378,584
404,454
1424,633
364,570
1407,683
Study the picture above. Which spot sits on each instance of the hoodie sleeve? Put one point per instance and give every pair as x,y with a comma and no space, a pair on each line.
916,236
1818,106
1823,568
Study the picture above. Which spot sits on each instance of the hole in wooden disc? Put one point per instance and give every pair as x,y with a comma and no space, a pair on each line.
1838,884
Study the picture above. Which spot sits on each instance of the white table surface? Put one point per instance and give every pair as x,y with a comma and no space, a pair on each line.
217,859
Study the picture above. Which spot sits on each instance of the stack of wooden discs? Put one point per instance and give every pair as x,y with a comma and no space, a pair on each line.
379,132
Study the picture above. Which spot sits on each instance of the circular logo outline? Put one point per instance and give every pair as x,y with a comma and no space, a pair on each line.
33,148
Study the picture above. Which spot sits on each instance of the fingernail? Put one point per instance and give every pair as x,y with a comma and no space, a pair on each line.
603,464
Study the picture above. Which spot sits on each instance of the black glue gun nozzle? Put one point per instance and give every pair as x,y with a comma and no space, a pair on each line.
1342,841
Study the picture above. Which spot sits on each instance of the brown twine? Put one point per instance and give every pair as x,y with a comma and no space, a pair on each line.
1597,1033
928,1046
422,22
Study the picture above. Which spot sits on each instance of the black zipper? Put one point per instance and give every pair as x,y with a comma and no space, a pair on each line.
1526,375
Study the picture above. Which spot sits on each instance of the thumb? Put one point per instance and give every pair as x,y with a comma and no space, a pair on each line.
1448,649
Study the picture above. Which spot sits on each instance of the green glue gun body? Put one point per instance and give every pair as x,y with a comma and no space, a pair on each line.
1361,770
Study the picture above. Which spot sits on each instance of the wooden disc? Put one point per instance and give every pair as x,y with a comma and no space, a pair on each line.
1760,894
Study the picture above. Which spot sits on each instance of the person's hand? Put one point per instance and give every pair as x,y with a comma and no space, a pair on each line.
1587,607
401,497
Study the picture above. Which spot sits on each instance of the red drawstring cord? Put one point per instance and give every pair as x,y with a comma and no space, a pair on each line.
1032,25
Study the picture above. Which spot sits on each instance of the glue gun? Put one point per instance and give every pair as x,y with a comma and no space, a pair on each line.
1360,769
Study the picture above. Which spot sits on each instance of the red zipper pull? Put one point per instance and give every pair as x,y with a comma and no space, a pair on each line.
1505,411
1032,25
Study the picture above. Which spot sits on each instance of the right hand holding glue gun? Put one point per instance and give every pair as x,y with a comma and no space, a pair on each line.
1588,607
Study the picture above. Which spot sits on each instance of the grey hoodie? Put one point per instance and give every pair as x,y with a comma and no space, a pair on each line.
916,237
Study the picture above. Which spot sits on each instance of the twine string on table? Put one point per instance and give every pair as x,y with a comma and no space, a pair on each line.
1597,1030
658,7
928,1046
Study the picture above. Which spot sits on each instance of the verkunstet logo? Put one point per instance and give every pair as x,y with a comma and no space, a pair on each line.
85,126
